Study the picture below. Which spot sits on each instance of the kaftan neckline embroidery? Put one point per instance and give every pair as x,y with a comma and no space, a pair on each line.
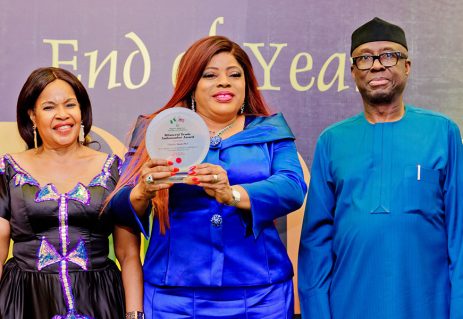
47,253
24,177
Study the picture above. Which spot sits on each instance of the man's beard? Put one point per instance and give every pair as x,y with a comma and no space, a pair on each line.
382,98
378,99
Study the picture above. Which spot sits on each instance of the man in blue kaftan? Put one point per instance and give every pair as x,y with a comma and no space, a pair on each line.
383,228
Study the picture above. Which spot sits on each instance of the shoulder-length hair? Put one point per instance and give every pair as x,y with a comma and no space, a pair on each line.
31,90
189,72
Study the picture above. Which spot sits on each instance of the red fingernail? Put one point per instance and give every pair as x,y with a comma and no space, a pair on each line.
170,162
173,173
191,173
176,169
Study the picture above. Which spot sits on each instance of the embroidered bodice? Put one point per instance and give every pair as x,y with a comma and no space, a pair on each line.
53,232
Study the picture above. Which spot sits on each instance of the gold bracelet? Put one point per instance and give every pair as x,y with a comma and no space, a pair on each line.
135,315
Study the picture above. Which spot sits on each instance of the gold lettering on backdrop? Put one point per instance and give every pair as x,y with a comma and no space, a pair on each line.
55,47
266,66
128,63
213,29
300,76
294,70
110,60
339,76
93,70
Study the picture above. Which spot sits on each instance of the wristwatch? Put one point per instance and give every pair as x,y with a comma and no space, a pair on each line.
236,197
135,315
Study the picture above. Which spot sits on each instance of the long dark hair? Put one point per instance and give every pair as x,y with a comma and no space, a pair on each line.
189,73
31,90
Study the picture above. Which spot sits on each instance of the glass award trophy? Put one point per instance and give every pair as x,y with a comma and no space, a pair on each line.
179,135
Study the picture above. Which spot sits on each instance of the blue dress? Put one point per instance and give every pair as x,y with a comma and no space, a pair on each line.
228,257
383,229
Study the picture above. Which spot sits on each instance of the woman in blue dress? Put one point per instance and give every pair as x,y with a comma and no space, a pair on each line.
214,250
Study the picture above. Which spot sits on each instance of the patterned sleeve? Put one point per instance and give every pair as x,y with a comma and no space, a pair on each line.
4,192
115,170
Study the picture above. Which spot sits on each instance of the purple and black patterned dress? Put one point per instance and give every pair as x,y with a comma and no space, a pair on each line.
60,267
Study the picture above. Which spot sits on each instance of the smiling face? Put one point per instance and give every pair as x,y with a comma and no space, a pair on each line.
220,92
381,85
57,115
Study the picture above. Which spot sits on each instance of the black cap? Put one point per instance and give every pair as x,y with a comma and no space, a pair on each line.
378,30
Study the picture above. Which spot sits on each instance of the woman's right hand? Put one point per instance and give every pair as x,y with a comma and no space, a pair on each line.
153,177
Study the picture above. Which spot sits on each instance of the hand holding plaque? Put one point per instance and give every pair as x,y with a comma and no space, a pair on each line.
180,135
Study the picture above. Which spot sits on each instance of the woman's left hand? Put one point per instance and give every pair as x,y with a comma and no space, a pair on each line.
214,180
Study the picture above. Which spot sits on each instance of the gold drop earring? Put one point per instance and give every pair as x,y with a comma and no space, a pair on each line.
82,133
34,129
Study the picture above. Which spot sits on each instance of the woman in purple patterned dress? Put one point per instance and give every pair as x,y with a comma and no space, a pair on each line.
51,197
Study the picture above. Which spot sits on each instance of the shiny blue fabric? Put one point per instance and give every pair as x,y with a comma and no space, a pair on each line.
269,302
245,250
382,231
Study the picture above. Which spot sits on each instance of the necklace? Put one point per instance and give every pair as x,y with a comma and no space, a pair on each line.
216,138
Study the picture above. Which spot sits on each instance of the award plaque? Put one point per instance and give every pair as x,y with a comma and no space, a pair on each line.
180,135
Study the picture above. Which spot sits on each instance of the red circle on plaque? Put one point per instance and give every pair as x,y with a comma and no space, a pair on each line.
178,160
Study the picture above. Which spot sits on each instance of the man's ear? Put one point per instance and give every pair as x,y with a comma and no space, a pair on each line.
408,67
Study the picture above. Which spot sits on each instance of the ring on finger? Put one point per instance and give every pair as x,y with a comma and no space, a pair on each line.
215,178
149,179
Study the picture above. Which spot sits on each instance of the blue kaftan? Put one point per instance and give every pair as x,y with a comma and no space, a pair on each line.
383,228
